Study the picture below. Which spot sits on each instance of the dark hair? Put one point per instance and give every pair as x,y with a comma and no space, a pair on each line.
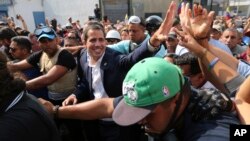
23,42
7,33
8,85
24,33
92,26
76,34
189,59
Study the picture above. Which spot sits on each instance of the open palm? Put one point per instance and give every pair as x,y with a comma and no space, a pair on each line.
197,25
161,34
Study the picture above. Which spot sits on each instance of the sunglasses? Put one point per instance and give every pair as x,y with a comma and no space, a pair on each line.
44,30
112,40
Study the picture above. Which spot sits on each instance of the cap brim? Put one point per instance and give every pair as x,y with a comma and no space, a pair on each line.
46,36
125,115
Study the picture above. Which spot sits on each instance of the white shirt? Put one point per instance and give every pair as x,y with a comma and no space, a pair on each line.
97,85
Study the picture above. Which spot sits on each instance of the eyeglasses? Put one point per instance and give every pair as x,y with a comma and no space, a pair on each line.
44,30
112,40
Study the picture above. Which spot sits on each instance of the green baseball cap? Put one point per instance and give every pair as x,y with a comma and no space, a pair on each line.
149,82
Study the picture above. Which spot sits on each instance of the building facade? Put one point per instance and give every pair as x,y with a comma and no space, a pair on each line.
35,11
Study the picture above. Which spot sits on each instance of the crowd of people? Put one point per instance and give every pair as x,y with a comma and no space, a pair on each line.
135,80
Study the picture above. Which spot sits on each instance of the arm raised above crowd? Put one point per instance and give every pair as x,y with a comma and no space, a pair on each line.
161,34
195,38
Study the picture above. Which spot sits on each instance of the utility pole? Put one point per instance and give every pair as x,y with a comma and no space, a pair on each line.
129,7
211,5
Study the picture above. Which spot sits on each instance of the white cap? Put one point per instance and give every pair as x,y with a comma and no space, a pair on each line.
113,34
218,27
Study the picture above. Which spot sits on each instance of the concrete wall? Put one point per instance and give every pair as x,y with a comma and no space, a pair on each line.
63,9
140,7
115,9
25,8
59,9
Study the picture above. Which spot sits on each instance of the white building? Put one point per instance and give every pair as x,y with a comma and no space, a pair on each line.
35,11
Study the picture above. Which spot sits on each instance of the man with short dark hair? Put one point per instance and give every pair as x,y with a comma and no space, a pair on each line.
59,72
171,42
189,64
21,117
158,97
103,67
20,49
6,34
136,28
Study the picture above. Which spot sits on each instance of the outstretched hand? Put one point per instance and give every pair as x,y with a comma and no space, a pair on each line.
197,25
161,34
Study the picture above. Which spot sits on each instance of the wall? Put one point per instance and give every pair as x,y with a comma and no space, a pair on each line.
63,9
25,8
59,9
140,7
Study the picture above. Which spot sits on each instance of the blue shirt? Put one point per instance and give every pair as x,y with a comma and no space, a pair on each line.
127,46
181,50
243,68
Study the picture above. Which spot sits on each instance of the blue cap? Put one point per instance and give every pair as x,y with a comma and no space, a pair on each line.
46,35
45,32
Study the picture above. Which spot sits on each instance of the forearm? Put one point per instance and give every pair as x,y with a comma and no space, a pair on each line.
90,110
210,78
242,101
38,82
226,58
224,73
244,91
25,27
14,67
246,27
220,70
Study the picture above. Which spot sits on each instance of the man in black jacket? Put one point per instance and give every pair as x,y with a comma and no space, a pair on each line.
21,117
